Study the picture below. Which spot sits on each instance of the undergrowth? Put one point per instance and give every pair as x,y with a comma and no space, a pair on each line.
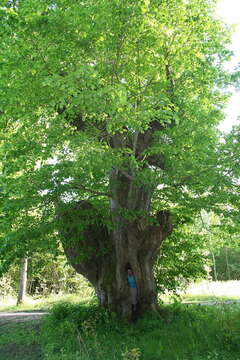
178,332
20,340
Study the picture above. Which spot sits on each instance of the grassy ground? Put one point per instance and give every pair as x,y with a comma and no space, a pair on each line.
213,290
20,341
179,332
81,331
37,303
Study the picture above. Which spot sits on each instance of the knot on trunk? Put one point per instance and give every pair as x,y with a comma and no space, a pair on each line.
164,219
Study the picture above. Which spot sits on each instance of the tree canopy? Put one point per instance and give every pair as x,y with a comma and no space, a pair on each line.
114,105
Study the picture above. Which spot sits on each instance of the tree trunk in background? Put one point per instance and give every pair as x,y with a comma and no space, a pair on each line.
227,264
22,281
214,266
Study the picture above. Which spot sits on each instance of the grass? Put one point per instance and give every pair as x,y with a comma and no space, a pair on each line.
20,341
218,289
189,298
80,330
207,291
179,332
37,303
215,291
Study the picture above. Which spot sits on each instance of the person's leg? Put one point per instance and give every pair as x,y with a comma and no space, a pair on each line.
133,292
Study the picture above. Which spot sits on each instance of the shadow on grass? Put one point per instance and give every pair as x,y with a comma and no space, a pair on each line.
20,341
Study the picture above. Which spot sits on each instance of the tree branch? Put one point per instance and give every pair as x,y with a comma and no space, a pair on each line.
126,174
95,192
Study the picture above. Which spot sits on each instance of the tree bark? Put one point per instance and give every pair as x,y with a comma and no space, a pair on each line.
22,281
102,256
214,265
135,238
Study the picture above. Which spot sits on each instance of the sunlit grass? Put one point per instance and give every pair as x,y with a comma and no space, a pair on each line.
212,290
40,303
215,291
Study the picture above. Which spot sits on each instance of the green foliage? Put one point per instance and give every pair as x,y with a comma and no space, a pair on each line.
183,258
222,242
227,263
6,286
91,72
53,275
46,275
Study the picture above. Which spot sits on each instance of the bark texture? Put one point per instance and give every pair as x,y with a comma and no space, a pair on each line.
22,281
103,257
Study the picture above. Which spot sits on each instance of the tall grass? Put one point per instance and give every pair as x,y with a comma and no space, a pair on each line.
77,330
178,332
31,303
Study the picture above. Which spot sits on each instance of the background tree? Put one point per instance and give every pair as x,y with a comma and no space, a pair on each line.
223,246
22,281
183,259
47,275
109,116
227,260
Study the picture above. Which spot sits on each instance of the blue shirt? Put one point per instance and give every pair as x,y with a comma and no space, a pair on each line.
131,281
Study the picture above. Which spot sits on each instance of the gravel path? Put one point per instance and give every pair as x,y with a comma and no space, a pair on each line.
6,317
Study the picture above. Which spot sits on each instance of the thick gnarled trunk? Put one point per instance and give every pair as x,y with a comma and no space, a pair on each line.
137,238
134,241
137,247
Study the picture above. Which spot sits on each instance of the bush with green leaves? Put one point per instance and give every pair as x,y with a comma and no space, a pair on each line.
6,286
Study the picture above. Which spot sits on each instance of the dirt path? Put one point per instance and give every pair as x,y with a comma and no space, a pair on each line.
7,317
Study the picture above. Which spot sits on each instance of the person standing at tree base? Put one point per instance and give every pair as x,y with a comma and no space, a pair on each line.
133,289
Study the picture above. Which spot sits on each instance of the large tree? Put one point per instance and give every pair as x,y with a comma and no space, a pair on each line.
109,112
